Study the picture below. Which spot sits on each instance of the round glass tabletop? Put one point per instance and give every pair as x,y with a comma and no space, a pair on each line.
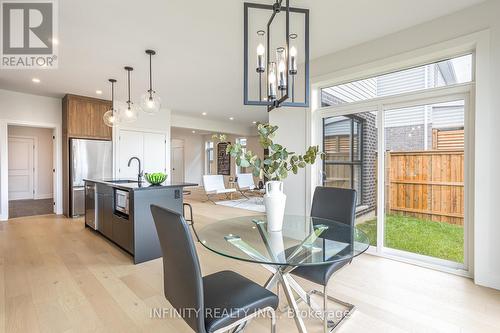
303,241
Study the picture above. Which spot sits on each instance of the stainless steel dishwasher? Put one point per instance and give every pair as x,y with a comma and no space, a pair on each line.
91,218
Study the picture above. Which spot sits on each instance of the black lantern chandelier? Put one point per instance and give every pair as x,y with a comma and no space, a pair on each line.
278,81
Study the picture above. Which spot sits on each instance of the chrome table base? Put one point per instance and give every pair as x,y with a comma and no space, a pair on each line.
281,277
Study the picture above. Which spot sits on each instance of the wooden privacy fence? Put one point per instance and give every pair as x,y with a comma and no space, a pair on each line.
426,184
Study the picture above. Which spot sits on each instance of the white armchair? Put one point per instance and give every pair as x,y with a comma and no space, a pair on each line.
246,184
214,185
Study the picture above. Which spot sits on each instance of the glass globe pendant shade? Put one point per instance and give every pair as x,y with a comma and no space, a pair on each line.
111,118
128,112
150,103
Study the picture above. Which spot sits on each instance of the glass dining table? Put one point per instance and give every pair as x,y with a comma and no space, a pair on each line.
303,241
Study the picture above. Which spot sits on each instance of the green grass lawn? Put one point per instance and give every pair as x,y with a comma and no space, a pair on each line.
435,239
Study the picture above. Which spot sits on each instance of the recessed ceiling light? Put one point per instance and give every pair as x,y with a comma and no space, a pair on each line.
55,41
35,80
203,113
254,122
231,118
193,132
98,92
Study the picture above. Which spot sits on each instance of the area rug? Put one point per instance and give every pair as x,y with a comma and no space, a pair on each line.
255,204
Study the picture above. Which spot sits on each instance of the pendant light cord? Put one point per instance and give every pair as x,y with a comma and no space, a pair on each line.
128,102
150,77
113,96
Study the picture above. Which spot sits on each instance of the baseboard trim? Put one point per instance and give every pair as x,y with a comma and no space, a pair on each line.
44,196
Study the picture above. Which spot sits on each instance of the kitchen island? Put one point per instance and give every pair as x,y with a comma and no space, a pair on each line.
120,211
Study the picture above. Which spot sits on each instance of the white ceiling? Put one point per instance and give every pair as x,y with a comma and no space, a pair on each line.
199,43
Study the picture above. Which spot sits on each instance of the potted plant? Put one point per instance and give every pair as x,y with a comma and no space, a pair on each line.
275,167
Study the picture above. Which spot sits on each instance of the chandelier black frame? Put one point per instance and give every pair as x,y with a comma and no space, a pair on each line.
285,91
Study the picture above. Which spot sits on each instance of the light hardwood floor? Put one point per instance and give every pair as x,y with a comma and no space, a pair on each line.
57,276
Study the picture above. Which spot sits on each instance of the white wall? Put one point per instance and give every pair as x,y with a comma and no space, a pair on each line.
383,51
194,150
31,110
292,134
44,186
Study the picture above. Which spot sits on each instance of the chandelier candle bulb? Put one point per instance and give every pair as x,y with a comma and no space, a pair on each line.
260,58
293,60
272,81
282,76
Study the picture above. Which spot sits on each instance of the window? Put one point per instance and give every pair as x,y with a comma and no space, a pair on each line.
209,157
342,144
439,74
243,143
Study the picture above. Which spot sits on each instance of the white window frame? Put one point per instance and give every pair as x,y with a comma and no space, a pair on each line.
464,91
208,164
244,149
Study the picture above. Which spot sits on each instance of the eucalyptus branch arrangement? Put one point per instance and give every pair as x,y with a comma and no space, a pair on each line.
280,161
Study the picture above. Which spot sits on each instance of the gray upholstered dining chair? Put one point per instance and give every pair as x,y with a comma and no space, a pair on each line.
211,304
336,204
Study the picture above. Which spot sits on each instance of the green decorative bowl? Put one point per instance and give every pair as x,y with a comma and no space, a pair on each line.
155,178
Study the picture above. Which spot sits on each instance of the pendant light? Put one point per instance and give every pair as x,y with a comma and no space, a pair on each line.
111,117
150,101
128,111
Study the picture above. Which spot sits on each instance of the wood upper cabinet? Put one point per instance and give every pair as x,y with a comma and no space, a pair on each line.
82,117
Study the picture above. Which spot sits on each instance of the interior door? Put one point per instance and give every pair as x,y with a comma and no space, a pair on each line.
21,168
155,152
131,144
177,161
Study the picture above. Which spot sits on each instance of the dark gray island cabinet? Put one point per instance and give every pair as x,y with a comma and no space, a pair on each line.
119,210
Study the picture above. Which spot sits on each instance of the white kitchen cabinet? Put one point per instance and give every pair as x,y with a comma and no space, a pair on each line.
150,148
155,153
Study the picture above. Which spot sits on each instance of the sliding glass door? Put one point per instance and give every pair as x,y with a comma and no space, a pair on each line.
411,199
424,190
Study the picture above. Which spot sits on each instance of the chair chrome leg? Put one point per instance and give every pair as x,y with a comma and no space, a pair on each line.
273,321
242,324
243,194
325,311
332,325
210,199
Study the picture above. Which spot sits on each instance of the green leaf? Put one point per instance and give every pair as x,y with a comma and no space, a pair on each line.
244,163
256,172
283,173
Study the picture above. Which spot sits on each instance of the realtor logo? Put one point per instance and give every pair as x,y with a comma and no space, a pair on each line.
28,34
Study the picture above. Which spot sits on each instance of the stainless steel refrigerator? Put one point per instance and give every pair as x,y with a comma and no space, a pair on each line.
89,159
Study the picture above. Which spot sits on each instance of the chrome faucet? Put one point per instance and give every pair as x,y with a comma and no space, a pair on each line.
140,172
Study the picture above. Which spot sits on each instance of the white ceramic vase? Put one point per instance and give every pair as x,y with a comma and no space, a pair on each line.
277,245
275,201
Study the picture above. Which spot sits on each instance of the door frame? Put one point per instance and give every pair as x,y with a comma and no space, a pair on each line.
35,160
4,162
